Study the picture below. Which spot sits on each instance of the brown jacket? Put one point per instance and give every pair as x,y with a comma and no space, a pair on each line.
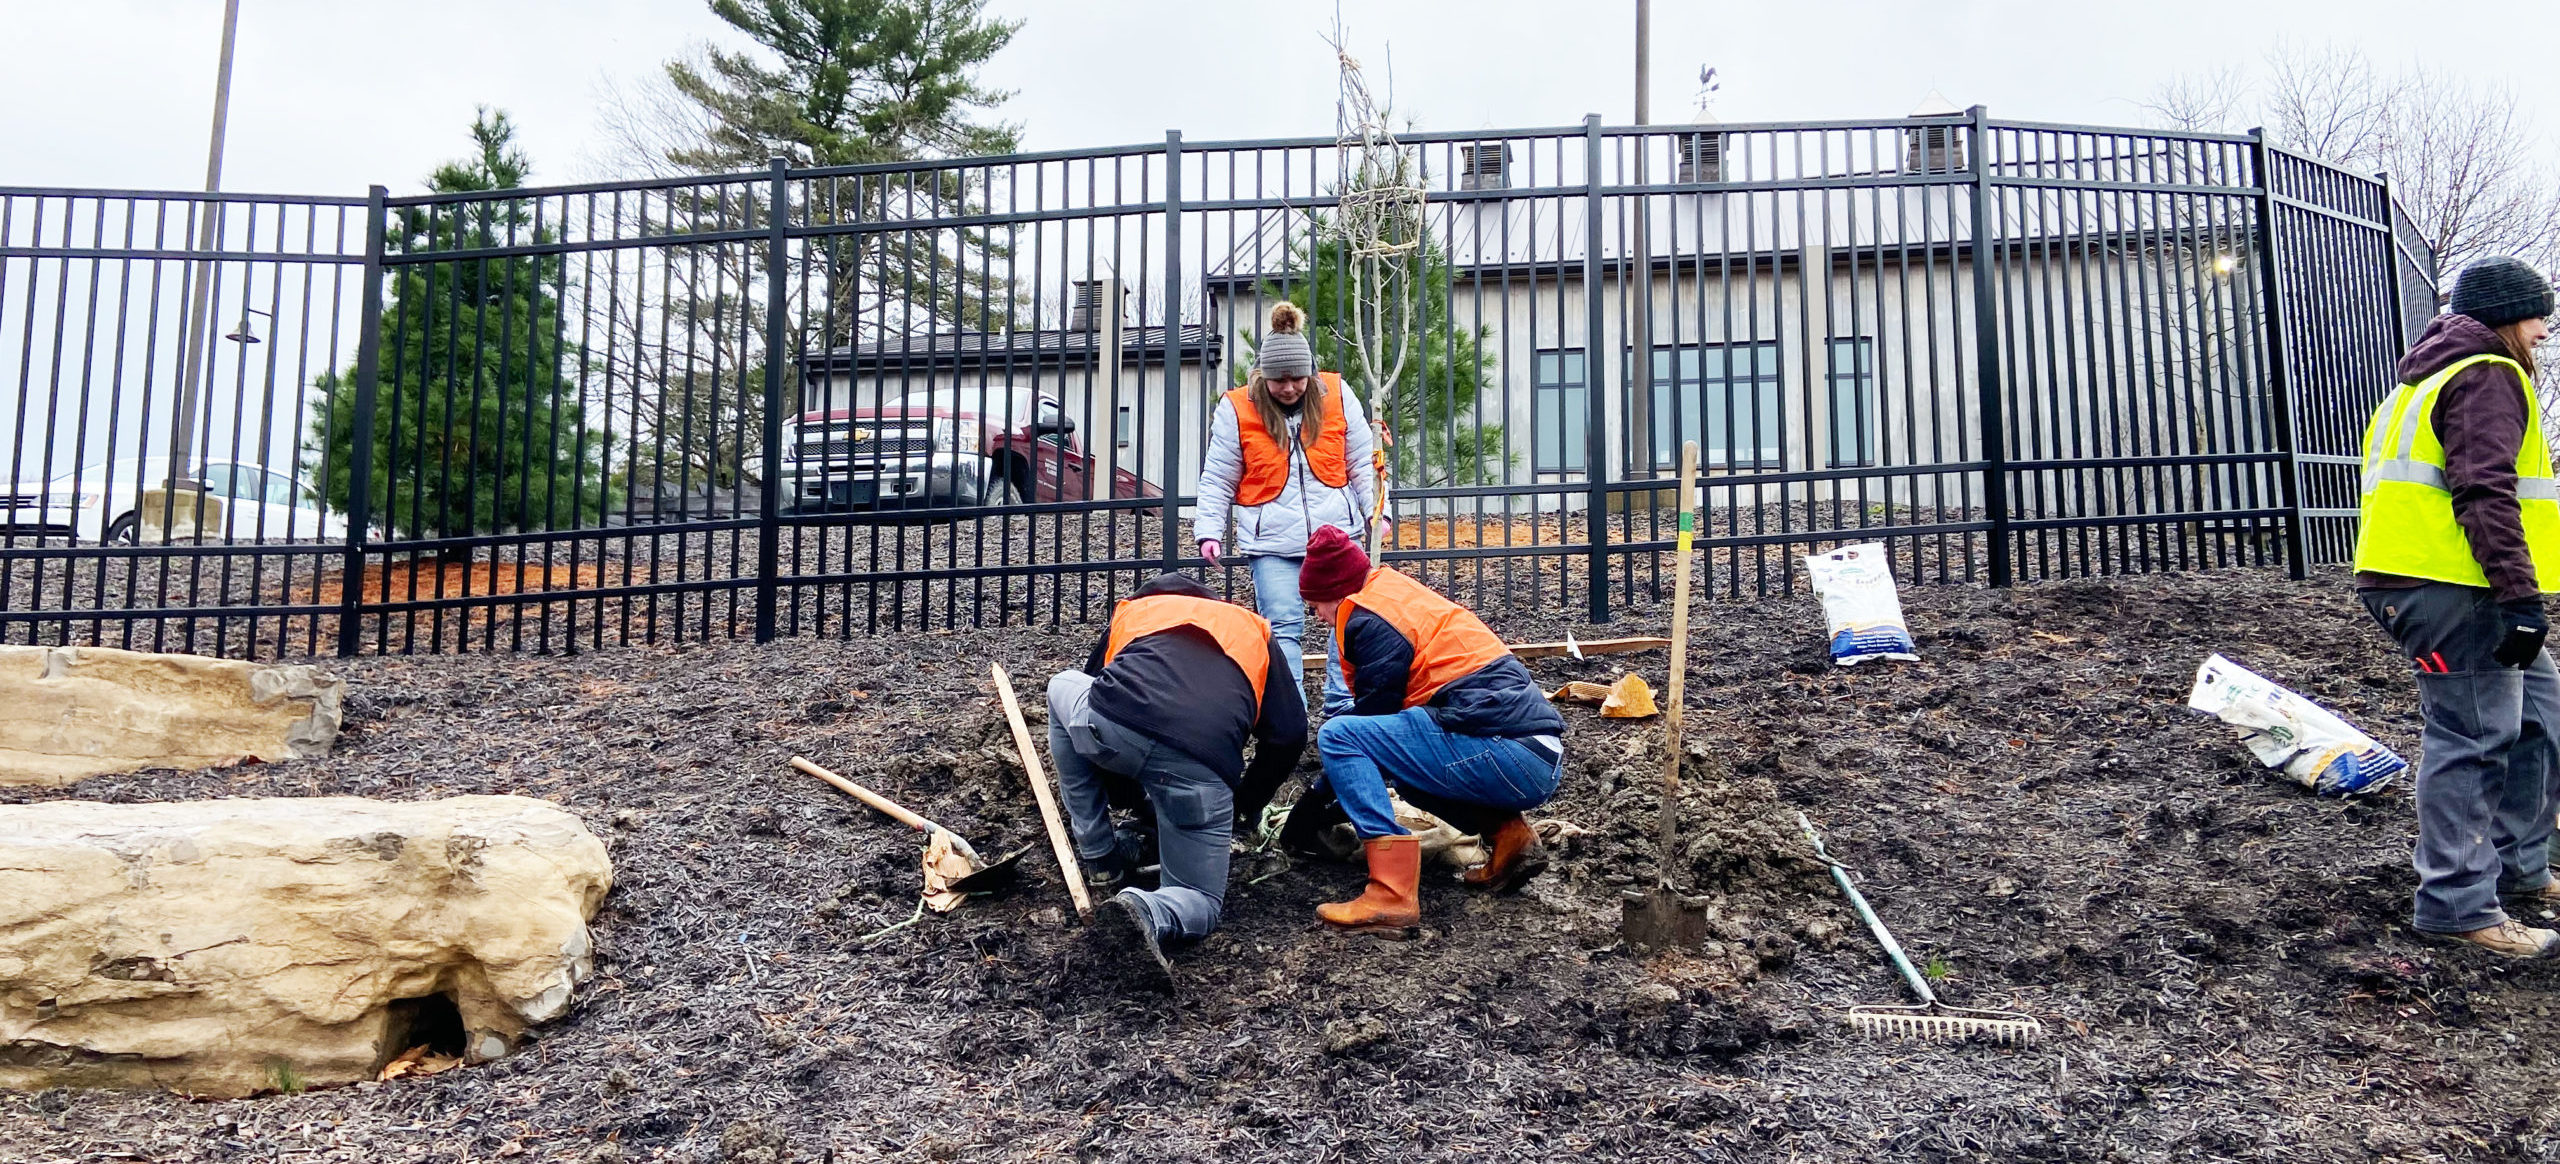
2480,418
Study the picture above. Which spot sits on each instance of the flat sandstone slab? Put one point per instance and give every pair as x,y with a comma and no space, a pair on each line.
77,712
225,947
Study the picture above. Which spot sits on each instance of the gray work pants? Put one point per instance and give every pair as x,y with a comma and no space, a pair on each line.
1195,810
2488,762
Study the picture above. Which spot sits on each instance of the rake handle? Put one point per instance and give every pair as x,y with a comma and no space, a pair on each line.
1875,925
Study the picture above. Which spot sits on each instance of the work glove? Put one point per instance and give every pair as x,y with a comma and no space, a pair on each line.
1209,549
2526,626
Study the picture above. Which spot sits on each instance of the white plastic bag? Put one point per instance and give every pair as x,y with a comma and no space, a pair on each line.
2291,734
1860,604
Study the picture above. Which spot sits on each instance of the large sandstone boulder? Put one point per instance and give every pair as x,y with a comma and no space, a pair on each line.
230,946
77,712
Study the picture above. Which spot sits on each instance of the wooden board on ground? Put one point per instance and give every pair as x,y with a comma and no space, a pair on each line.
1551,650
1058,839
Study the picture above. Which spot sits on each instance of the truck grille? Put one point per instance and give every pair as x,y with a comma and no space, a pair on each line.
835,441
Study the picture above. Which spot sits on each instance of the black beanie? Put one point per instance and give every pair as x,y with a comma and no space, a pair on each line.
2499,291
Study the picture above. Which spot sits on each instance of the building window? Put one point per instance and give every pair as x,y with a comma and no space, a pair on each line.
1559,406
1723,396
1127,429
1853,403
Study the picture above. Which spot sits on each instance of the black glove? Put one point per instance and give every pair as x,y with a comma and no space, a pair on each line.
1303,833
2526,626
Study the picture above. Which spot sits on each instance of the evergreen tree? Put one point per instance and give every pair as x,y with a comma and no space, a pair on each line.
1438,431
476,427
848,82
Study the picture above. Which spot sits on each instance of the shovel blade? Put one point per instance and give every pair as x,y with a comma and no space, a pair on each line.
996,874
1662,919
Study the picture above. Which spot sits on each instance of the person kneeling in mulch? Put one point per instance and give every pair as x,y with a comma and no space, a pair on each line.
1167,699
2460,539
1440,708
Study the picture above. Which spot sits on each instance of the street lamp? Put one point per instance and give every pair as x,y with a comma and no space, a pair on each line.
246,334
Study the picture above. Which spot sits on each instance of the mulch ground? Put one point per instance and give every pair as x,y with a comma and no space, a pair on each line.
2222,959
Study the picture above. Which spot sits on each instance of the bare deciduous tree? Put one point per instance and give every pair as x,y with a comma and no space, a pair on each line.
2475,174
2205,102
1380,222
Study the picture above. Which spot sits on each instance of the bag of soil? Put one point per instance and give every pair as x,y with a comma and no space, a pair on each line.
1860,604
2290,734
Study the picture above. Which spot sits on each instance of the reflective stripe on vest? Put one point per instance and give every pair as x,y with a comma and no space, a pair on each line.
2408,527
1240,634
1449,641
1266,462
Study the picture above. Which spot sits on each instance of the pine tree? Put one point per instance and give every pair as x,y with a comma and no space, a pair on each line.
477,428
850,82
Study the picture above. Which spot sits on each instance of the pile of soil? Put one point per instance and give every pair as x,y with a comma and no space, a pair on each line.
2222,959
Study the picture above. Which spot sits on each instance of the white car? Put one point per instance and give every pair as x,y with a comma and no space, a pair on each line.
98,503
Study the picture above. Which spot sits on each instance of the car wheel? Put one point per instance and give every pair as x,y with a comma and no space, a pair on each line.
124,531
1004,490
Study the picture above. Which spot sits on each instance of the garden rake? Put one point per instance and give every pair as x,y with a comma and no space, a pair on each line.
1931,1019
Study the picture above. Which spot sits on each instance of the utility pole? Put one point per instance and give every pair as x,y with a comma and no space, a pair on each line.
199,319
1636,274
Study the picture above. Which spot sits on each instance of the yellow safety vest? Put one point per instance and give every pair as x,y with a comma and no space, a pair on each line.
2408,527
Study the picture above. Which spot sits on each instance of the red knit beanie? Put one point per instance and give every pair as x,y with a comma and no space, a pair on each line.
1335,567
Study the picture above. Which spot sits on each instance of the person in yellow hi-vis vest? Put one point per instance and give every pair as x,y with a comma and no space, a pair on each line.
2460,540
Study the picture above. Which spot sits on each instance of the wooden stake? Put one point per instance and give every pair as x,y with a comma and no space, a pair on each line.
1679,660
1059,841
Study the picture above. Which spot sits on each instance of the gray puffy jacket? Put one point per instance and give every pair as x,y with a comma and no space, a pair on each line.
1282,525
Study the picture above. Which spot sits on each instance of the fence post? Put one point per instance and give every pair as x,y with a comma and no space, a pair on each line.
377,224
2391,243
2279,370
1172,297
777,289
1595,375
1986,346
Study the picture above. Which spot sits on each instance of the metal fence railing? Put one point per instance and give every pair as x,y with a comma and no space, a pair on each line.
977,390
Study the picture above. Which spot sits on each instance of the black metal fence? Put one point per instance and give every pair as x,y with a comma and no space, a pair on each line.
882,397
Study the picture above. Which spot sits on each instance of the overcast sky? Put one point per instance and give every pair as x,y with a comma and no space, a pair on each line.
331,95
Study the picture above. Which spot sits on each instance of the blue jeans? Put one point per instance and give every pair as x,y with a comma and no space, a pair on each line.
1195,810
1363,752
1275,595
2488,760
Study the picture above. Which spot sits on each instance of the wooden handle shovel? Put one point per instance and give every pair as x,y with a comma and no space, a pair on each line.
1663,918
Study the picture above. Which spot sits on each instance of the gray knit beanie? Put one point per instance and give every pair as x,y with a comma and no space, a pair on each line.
1284,353
2501,290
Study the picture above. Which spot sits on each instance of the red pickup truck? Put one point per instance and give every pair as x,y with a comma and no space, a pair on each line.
946,448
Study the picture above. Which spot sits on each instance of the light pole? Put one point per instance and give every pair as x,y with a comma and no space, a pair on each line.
199,318
1638,262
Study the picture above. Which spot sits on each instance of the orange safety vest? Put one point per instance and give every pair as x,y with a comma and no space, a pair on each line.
1449,641
1266,463
1241,633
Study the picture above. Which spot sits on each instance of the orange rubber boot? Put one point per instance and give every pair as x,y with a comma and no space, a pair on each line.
1395,874
1517,857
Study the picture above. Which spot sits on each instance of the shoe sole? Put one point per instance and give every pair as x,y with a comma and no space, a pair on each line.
1123,945
2514,955
1399,933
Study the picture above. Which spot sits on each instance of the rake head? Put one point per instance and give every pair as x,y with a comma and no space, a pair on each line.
1946,1024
